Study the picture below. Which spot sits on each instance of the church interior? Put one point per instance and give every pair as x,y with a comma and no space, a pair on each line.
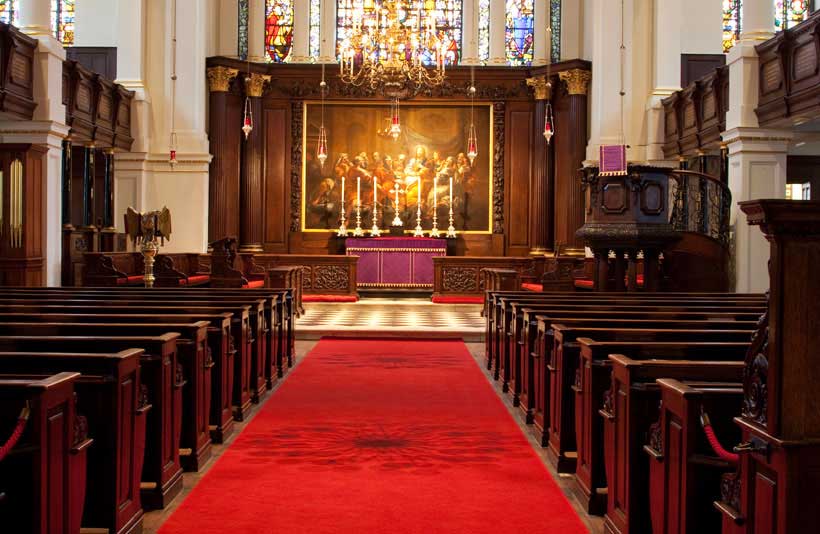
409,266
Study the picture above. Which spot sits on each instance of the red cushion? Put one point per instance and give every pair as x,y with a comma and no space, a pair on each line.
199,278
458,300
533,287
329,298
584,283
254,284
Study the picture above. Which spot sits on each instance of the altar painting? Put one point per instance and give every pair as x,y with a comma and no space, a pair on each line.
431,148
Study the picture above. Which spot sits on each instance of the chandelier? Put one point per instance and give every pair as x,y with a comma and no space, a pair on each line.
391,46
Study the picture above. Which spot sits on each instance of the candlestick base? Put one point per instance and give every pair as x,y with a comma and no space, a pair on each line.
451,231
418,232
342,231
375,232
358,232
397,221
434,232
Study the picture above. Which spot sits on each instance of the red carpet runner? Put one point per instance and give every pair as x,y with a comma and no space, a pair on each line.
378,436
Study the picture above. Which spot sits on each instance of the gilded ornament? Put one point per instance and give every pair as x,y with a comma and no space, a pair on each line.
577,81
541,89
219,78
256,82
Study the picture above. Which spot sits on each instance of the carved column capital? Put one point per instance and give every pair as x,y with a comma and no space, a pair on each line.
219,78
542,88
577,81
255,83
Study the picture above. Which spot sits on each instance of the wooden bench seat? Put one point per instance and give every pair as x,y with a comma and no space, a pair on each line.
629,409
593,380
684,473
49,460
111,396
161,371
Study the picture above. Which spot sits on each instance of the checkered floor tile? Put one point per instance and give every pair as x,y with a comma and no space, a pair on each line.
379,317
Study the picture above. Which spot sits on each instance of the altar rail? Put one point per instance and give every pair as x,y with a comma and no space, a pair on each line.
461,276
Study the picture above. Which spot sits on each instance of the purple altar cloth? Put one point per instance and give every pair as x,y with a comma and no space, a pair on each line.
395,262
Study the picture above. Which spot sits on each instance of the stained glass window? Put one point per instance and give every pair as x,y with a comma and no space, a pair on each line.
731,23
9,11
484,30
444,15
242,44
520,35
62,21
788,14
278,30
555,24
315,28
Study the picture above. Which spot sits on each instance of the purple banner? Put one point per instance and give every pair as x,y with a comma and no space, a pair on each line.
395,262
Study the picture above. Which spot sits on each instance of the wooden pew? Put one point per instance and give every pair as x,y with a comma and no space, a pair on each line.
532,388
193,351
161,371
278,306
593,380
246,328
111,396
43,478
629,409
288,277
684,472
230,386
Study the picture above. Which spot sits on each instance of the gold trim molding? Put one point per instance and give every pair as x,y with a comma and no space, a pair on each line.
219,78
255,83
577,81
541,89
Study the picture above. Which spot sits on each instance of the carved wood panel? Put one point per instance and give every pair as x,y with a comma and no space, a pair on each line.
276,212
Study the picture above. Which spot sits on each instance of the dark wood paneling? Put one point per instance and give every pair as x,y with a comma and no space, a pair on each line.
100,59
518,161
277,202
17,72
694,66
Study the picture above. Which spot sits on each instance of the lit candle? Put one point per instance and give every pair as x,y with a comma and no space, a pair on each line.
435,193
343,191
358,190
451,191
375,186
419,188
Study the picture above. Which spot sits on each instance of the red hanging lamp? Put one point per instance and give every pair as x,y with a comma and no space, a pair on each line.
395,123
321,148
472,138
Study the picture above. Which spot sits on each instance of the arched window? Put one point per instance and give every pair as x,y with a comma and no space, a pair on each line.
790,13
278,30
483,30
520,36
555,24
62,21
731,23
315,28
242,36
446,13
9,12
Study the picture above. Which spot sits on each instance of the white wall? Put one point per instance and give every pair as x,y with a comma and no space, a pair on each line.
701,27
96,22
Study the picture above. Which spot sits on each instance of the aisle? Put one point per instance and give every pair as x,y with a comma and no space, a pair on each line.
380,436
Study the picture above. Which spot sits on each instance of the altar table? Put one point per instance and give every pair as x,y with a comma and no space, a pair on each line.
395,262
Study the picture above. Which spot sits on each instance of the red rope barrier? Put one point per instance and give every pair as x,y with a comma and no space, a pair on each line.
713,441
18,431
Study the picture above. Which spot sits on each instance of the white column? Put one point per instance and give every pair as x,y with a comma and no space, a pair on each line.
572,29
757,157
256,30
301,31
48,128
757,169
227,27
665,72
327,26
498,27
92,26
541,18
131,29
469,35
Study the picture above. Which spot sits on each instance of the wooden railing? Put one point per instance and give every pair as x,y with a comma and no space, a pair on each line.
695,116
97,109
16,73
789,70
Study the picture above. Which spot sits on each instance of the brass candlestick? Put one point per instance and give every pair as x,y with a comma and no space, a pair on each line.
150,230
342,231
396,219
